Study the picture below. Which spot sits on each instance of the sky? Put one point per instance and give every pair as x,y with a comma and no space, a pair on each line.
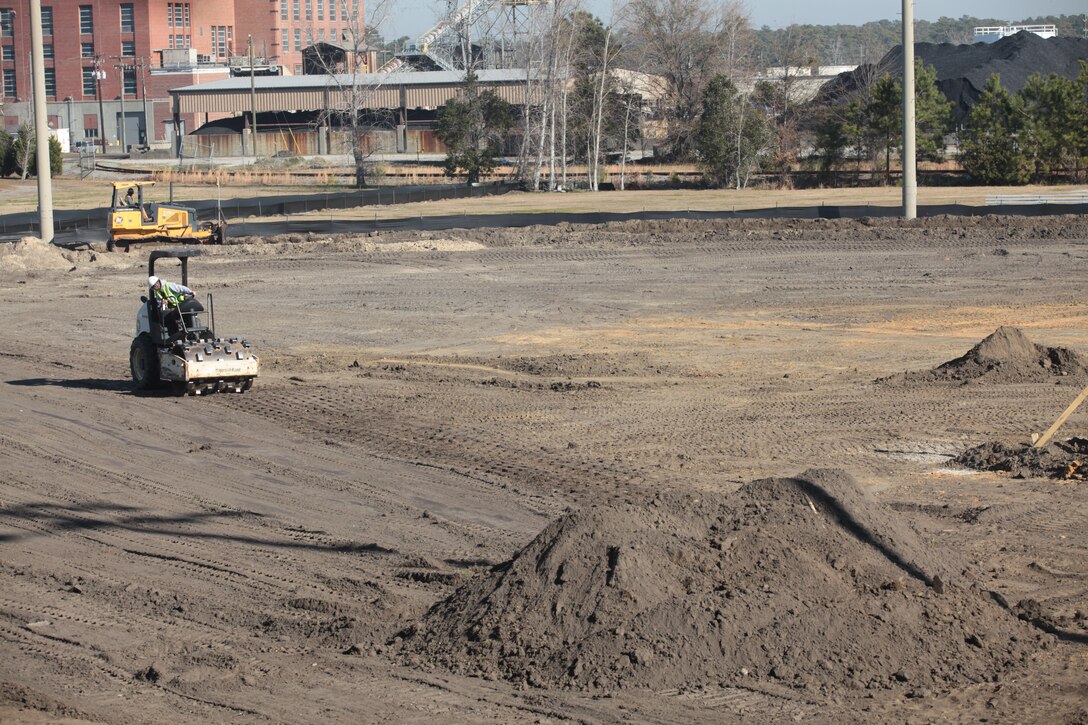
412,17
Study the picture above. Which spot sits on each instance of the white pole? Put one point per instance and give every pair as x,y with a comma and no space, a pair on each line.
41,123
910,179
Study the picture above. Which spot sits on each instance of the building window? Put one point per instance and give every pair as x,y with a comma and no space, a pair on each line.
285,40
177,15
86,19
9,52
88,82
320,10
128,48
50,82
47,21
321,35
7,22
298,69
298,38
90,132
343,9
86,50
130,81
309,9
128,18
10,89
295,12
222,40
47,51
283,9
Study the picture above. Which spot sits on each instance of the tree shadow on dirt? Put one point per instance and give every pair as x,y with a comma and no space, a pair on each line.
45,518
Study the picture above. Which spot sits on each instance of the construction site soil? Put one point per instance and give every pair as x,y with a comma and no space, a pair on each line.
637,472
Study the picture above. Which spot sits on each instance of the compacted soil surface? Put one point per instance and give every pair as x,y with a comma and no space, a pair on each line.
645,472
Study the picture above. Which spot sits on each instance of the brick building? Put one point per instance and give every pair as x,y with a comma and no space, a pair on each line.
282,28
94,47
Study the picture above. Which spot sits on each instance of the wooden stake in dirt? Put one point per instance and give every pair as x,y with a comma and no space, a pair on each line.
1045,438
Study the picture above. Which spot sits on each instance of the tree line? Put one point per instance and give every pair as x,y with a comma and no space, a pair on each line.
867,43
681,72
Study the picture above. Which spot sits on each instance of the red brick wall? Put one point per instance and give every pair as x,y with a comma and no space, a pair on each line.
264,20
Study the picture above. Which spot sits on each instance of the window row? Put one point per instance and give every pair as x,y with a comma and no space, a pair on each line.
177,15
90,82
320,5
86,19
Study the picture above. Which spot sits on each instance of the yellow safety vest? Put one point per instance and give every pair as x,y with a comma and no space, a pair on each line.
171,297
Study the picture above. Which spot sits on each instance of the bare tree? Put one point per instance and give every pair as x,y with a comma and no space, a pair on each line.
686,42
352,83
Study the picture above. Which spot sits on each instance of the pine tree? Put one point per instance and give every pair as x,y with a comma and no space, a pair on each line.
473,127
1053,121
989,148
731,134
56,158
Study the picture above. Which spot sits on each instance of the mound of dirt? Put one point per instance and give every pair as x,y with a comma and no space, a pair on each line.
31,254
805,582
1006,356
1066,460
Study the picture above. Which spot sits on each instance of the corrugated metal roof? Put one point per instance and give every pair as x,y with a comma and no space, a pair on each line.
371,80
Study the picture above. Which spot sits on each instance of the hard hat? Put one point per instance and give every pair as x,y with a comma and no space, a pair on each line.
152,281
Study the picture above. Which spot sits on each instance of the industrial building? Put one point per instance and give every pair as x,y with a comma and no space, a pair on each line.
293,112
108,60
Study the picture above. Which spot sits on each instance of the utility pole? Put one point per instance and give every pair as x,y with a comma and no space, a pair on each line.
99,76
121,75
910,162
252,102
41,123
149,123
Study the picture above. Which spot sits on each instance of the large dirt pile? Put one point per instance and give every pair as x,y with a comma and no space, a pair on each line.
1066,460
805,582
30,254
1005,356
31,257
963,70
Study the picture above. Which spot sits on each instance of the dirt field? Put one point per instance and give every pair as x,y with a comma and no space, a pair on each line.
429,405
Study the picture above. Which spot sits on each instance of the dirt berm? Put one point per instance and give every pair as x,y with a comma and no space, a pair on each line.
805,582
1005,356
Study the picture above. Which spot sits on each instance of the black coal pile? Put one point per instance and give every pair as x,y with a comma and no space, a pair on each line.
1066,460
963,70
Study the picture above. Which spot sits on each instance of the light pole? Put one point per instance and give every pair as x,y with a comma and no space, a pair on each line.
252,102
121,75
41,130
99,76
68,101
910,163
149,125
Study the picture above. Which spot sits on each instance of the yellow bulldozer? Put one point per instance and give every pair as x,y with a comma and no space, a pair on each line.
133,218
